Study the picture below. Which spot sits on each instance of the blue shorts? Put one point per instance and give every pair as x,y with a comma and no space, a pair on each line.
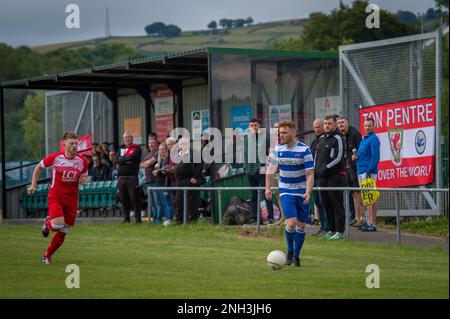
293,207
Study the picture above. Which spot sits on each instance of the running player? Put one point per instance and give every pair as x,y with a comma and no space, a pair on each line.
296,165
68,168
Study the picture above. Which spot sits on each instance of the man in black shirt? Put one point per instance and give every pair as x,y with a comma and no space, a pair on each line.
330,168
100,172
128,161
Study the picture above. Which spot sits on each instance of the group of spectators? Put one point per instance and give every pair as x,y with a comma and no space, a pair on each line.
101,163
157,169
343,158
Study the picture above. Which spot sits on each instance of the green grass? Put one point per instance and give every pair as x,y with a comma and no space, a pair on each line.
205,261
257,36
437,227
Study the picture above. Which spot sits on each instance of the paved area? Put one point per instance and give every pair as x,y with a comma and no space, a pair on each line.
390,237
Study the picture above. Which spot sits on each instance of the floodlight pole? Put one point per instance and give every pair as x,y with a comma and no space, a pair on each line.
438,117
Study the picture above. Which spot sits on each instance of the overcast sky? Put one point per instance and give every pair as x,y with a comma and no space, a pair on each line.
36,22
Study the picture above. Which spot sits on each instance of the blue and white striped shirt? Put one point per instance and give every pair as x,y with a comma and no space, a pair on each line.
293,163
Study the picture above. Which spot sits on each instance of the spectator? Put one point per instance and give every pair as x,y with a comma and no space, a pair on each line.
150,181
352,139
255,168
98,149
170,143
160,172
128,168
153,136
100,172
367,159
318,202
105,152
90,163
114,167
329,163
187,173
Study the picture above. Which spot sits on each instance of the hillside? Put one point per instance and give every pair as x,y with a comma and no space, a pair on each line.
257,36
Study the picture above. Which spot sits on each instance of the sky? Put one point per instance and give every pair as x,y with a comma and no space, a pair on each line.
38,22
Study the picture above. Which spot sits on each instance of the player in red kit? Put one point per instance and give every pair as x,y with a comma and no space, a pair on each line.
68,169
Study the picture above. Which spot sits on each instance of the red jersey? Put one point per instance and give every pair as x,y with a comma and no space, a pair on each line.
66,173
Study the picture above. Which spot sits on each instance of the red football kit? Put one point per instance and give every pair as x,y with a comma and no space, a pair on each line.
63,193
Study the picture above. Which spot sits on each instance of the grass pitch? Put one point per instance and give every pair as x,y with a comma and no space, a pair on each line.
206,261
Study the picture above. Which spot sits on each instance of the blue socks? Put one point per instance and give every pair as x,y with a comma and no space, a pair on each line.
290,237
299,239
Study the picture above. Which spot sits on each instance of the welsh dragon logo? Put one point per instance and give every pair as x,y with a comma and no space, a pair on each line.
396,144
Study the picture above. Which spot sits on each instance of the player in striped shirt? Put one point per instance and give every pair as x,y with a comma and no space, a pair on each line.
296,165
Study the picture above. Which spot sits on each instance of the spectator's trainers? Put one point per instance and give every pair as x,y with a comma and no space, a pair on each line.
353,222
327,236
45,230
297,262
369,228
289,259
46,260
360,224
337,236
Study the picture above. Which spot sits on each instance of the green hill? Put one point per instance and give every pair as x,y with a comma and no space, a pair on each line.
257,36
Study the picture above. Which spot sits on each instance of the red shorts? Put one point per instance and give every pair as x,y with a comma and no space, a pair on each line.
58,208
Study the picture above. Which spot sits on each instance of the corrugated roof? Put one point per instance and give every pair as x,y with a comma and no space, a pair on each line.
138,72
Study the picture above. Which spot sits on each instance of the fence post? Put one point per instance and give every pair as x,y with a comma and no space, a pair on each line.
347,213
149,205
258,213
219,197
184,206
397,208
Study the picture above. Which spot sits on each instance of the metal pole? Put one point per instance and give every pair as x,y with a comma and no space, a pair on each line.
341,81
149,205
185,206
2,151
347,213
258,215
438,116
92,116
219,197
397,208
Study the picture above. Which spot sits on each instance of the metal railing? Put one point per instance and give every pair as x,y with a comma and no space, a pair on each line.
347,191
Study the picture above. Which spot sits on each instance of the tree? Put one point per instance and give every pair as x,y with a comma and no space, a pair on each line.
212,25
441,4
408,17
171,30
249,21
238,23
345,25
33,125
226,23
155,28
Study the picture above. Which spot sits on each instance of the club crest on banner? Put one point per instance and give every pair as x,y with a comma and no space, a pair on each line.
396,144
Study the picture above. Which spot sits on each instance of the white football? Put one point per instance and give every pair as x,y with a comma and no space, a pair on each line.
276,259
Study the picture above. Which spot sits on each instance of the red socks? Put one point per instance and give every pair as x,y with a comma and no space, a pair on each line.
57,241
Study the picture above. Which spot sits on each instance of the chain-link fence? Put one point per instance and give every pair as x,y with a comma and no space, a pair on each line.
390,71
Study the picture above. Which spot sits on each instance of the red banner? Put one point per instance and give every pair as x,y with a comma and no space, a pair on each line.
406,131
164,111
